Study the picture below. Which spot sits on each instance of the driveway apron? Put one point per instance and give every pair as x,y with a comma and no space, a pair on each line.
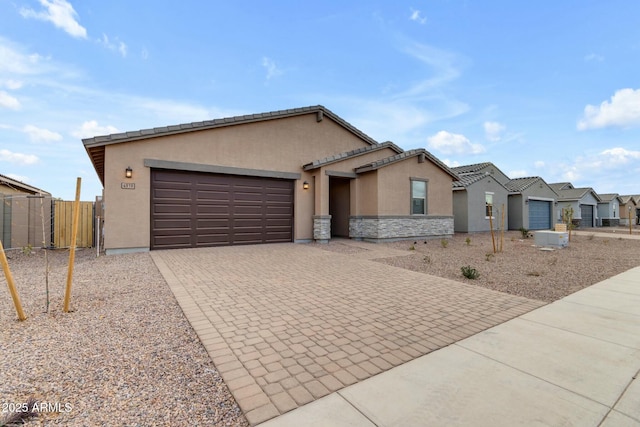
286,324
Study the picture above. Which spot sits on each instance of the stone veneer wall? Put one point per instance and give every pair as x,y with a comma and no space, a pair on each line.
611,222
322,228
399,227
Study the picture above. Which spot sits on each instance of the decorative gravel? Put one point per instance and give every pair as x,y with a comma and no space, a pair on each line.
126,355
522,268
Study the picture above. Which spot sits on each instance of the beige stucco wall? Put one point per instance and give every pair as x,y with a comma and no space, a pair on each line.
395,188
282,145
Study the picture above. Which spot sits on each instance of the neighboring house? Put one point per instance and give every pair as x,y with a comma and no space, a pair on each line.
629,203
584,202
21,220
609,210
479,198
293,175
532,204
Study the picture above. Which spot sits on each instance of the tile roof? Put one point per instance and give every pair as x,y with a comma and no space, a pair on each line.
626,198
350,154
467,179
95,146
20,186
608,197
575,194
557,186
470,168
518,185
470,178
403,156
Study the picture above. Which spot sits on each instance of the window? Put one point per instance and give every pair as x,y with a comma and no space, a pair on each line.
418,197
488,205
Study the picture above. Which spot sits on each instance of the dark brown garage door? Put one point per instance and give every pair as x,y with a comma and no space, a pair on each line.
193,209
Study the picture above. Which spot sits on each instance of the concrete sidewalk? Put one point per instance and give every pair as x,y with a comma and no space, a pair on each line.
574,362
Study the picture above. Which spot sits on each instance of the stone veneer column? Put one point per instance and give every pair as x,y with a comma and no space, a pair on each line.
322,228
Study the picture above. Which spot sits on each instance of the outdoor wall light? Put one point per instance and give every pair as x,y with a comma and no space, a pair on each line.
305,185
128,172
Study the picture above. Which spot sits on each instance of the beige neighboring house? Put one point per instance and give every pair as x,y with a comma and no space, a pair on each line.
296,175
629,208
21,220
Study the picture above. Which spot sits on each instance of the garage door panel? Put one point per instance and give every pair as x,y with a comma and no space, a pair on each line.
539,215
172,209
192,209
586,214
178,224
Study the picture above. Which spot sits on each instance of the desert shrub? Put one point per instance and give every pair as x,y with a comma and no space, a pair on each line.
525,233
488,256
444,243
469,272
468,241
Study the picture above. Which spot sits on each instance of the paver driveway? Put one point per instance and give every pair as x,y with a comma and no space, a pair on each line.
286,324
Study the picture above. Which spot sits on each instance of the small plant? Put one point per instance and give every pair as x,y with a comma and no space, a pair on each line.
469,272
525,233
468,241
534,274
489,256
27,250
427,259
412,247
444,243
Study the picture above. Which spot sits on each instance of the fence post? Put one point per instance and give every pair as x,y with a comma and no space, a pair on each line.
10,282
72,249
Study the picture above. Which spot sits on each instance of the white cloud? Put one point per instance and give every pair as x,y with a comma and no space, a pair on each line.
451,163
11,84
416,16
451,143
122,48
493,131
443,64
61,14
21,178
12,61
91,128
17,158
623,110
539,164
116,45
614,157
37,134
271,67
9,101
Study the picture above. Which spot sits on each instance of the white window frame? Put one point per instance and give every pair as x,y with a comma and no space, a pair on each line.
486,205
426,194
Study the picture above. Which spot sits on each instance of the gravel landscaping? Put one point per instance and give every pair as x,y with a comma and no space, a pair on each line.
522,268
126,355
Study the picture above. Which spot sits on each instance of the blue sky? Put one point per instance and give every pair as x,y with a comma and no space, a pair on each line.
546,88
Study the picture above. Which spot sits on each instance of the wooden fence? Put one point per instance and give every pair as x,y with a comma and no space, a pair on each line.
63,221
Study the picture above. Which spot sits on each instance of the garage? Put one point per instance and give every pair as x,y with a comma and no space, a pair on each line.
196,209
539,215
586,215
